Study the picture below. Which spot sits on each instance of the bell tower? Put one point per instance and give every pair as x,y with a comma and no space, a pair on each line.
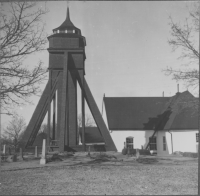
66,58
66,69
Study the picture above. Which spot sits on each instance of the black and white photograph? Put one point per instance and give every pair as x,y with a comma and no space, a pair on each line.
99,97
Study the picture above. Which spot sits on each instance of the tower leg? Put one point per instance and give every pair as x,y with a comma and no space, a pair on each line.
54,118
83,120
72,97
49,110
59,103
64,109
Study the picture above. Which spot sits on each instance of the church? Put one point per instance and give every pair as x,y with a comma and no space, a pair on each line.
161,124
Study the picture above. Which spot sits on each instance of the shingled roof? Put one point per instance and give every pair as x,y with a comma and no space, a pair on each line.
149,113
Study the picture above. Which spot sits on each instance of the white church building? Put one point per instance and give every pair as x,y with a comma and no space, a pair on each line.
162,124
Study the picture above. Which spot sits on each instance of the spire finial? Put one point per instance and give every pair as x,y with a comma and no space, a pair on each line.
68,16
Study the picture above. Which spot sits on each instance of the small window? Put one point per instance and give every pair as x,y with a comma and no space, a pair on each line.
164,143
129,142
70,31
153,144
197,137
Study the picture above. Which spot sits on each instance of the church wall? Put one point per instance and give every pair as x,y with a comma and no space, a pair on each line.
141,138
184,141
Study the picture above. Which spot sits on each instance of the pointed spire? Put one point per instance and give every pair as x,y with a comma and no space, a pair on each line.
67,25
68,15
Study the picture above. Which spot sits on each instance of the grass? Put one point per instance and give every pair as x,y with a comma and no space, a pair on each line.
104,175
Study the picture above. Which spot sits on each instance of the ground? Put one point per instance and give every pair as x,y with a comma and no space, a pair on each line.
100,175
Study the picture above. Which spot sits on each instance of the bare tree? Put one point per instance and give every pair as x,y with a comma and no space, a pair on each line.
186,38
89,121
14,131
21,34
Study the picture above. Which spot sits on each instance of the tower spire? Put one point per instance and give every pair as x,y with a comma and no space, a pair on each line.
68,16
67,26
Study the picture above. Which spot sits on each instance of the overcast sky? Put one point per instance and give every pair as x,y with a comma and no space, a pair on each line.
126,48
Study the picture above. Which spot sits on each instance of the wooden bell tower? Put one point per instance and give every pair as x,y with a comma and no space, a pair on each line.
66,68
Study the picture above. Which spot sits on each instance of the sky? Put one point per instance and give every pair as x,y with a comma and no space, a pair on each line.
126,49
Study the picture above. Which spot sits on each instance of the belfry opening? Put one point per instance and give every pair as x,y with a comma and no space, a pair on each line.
59,99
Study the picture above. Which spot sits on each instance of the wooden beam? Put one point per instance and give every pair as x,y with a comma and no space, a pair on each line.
110,146
64,109
54,117
38,115
83,120
72,108
49,110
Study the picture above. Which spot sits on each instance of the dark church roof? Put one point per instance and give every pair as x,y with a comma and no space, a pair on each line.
187,119
149,113
92,135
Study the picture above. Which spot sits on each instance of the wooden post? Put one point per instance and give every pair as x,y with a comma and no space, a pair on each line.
64,109
54,117
49,110
36,151
43,157
83,121
21,158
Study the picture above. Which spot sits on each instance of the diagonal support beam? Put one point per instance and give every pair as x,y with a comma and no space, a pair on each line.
38,115
171,117
110,146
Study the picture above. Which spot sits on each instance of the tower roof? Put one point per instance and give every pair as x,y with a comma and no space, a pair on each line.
67,26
